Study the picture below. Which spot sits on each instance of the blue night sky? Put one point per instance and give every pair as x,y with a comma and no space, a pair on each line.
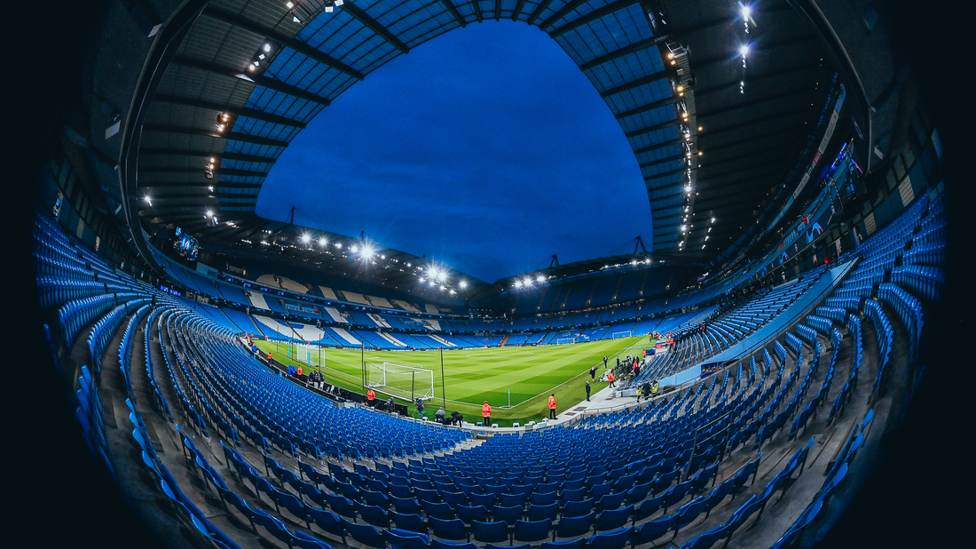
486,149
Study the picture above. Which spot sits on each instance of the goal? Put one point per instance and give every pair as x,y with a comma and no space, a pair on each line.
406,382
564,341
616,335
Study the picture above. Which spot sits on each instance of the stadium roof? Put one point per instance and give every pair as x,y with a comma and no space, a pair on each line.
714,132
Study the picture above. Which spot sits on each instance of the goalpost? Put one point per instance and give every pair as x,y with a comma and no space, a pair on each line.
565,341
401,381
616,335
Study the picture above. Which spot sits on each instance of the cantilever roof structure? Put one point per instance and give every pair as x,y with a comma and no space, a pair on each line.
239,79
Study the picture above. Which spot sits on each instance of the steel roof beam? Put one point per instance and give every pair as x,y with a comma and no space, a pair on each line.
372,24
230,136
457,15
518,10
705,136
212,154
636,46
658,145
664,174
757,101
238,111
636,83
655,127
561,12
760,137
662,161
219,171
258,79
282,38
584,19
537,12
650,106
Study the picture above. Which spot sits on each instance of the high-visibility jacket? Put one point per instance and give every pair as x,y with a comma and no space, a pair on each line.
299,370
552,403
486,410
610,378
654,388
370,394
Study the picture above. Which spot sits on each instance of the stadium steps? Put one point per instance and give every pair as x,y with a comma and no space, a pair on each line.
441,340
346,336
391,339
123,452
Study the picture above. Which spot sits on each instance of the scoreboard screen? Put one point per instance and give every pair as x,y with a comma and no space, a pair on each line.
186,245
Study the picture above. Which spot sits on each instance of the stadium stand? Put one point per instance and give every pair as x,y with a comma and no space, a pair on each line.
664,469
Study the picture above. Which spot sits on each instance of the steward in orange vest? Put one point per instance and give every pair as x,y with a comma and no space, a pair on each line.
486,413
552,406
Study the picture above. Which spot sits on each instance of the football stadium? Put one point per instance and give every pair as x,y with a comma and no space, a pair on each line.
443,274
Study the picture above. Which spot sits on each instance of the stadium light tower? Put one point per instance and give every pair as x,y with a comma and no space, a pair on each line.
306,238
367,251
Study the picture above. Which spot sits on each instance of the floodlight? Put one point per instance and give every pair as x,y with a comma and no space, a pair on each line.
306,238
540,279
323,242
355,249
432,282
338,2
367,251
528,281
746,12
290,5
209,213
442,287
744,50
267,48
463,284
338,245
518,283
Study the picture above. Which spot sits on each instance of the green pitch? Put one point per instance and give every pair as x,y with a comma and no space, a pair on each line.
474,375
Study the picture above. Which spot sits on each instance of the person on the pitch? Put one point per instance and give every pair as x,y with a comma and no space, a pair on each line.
552,406
610,377
371,397
486,413
587,391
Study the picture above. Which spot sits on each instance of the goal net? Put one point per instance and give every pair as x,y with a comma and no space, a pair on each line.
565,341
401,381
616,335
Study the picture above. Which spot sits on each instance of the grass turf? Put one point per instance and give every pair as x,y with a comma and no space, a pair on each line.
475,375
